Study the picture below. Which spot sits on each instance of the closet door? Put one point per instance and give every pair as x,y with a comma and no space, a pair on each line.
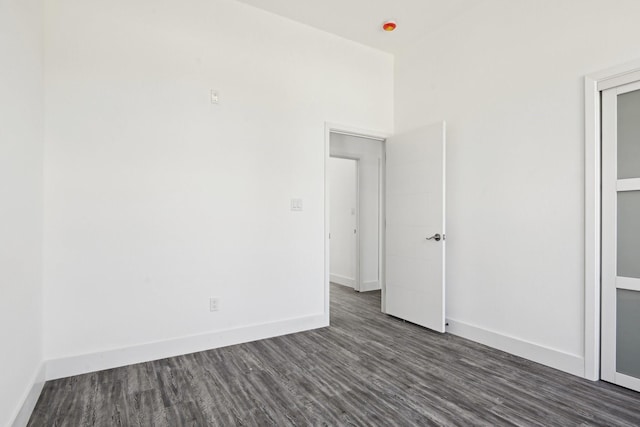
621,235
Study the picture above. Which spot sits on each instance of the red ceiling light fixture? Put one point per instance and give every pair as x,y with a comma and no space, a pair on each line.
389,26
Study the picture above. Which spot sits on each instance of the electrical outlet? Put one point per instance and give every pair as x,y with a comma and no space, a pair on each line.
214,304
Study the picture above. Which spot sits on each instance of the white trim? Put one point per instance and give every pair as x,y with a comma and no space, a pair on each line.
356,131
616,76
358,284
592,178
628,283
372,285
85,363
608,236
330,127
358,134
612,76
630,184
632,84
29,398
343,280
327,223
570,363
382,264
619,80
627,381
444,224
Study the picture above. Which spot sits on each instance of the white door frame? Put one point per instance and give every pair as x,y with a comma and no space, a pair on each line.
593,85
330,128
358,282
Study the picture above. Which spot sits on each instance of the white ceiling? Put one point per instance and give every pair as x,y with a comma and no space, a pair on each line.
361,20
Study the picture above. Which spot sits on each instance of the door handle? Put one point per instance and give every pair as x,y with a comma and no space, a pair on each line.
435,237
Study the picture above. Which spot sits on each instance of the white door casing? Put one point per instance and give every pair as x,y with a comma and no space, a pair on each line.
415,211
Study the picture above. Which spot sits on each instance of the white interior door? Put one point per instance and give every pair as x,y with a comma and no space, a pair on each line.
415,226
621,236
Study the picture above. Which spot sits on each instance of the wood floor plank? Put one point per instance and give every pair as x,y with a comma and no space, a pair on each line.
366,369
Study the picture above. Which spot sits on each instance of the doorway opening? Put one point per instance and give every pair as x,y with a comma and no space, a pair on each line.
354,210
401,251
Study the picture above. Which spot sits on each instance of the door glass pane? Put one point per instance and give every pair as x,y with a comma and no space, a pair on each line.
629,234
628,333
629,135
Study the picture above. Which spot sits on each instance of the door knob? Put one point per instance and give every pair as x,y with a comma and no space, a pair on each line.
435,237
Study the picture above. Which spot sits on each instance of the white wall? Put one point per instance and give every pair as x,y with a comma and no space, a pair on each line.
157,200
508,78
369,152
21,124
343,204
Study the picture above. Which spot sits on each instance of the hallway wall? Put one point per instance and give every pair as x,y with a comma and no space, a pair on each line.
21,193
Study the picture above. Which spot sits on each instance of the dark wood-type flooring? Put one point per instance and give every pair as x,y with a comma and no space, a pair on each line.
367,369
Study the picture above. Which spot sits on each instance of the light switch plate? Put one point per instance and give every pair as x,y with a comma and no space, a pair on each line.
296,204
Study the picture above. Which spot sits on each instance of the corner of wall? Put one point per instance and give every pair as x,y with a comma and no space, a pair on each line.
30,398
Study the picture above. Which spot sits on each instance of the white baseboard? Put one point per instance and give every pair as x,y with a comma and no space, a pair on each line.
372,285
557,359
627,381
342,280
82,364
30,398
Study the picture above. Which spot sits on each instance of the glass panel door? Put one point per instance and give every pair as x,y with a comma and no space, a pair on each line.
620,346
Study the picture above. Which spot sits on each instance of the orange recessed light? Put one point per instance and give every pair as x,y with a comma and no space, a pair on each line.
389,26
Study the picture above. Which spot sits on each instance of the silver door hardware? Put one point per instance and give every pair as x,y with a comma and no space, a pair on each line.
435,237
